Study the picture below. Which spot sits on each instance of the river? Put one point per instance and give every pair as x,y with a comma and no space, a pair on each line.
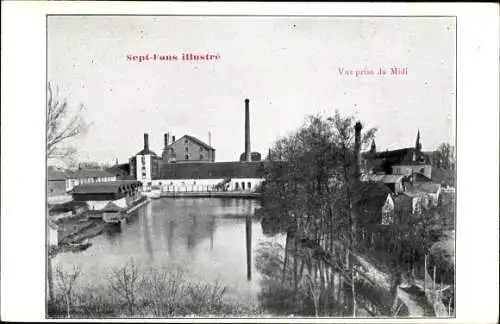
207,237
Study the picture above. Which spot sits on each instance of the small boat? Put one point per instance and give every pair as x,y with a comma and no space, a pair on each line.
79,246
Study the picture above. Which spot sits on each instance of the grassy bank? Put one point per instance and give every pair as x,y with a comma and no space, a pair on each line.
132,291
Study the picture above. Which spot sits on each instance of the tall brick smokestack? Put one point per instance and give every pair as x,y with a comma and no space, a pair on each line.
166,139
357,151
146,142
248,151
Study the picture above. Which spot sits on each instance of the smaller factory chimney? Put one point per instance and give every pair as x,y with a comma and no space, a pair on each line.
357,149
166,140
209,138
146,142
248,151
173,138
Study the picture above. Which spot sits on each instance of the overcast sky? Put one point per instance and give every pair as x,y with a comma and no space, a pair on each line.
287,66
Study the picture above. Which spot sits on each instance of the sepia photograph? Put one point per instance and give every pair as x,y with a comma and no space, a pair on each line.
250,166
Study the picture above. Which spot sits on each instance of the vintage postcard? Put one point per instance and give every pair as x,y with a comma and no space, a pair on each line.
250,166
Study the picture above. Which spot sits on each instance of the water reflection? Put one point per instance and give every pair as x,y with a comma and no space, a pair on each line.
212,239
248,234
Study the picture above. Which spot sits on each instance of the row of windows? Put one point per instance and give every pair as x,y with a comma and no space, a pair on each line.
74,182
236,184
186,157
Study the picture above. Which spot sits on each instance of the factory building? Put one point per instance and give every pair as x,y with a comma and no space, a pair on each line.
187,149
188,164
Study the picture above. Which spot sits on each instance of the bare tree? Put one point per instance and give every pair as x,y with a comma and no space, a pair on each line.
61,126
66,282
446,156
125,282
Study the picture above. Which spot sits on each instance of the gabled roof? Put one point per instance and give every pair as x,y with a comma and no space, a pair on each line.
106,187
194,139
421,177
371,191
114,206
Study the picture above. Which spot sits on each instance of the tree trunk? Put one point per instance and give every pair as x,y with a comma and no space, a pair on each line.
295,265
286,259
353,289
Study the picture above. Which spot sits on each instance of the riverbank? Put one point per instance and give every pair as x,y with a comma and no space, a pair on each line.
211,194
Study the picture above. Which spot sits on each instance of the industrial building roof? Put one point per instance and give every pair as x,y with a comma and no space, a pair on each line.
215,170
196,140
106,187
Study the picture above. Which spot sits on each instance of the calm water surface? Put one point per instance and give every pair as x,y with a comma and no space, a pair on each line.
207,237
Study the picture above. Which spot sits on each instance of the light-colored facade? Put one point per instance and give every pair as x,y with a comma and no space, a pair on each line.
204,185
52,235
76,179
143,167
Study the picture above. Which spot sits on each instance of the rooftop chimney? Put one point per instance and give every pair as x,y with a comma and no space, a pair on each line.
357,149
146,142
166,139
248,152
173,138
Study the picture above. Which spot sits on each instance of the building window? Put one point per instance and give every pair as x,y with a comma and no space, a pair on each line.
242,186
186,142
249,185
187,149
422,170
186,157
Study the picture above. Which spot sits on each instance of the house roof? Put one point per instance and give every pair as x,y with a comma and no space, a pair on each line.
421,177
194,139
112,207
385,178
214,170
106,187
371,191
401,156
